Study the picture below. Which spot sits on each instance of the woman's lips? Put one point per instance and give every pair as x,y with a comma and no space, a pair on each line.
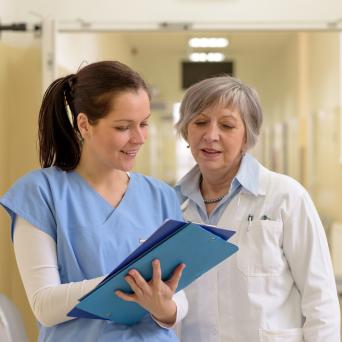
210,151
131,153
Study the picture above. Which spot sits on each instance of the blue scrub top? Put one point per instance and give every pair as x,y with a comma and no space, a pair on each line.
92,238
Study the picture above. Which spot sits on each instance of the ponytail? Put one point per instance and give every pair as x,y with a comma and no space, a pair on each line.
58,136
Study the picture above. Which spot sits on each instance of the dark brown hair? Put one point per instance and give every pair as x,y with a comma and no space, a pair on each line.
90,91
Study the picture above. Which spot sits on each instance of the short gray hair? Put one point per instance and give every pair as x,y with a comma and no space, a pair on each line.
226,91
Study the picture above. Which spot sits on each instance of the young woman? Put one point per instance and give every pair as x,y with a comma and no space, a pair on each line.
80,215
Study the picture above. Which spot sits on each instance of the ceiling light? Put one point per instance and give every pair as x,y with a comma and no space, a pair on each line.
208,42
206,57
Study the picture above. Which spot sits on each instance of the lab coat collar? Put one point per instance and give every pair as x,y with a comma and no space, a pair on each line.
250,175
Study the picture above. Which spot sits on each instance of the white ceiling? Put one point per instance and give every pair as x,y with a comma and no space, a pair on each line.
220,13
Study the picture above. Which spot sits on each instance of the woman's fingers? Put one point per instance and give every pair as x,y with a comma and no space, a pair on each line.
140,282
134,285
137,284
174,280
145,291
125,296
156,273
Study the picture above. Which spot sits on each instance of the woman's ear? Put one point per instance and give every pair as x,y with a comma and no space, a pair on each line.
83,125
245,147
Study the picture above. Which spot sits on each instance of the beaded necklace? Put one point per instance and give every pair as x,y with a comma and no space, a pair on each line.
211,200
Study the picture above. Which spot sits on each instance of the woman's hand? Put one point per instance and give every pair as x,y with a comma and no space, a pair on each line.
155,296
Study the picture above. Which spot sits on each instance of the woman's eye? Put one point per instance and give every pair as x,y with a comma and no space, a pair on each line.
200,123
144,124
227,126
121,128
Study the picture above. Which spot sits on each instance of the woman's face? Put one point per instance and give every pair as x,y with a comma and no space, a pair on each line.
114,141
217,137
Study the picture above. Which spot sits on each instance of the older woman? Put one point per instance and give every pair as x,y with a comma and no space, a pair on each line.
280,285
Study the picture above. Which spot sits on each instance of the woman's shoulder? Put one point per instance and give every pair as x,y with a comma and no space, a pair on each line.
153,183
282,183
160,196
41,177
32,197
42,182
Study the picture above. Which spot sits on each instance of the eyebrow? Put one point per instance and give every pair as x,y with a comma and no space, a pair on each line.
125,120
229,115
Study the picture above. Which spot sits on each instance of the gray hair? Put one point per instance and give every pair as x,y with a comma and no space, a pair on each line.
228,92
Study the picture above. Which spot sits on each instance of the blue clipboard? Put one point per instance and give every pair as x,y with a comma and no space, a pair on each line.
200,247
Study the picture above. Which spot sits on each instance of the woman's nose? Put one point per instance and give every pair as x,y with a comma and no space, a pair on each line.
138,136
211,133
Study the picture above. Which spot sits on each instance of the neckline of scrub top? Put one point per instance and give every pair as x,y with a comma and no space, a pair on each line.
97,194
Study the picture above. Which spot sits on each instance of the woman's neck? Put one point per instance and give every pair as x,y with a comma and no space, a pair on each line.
97,175
110,184
215,183
212,187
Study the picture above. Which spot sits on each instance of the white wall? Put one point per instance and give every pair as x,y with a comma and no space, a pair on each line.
324,105
20,94
247,12
91,47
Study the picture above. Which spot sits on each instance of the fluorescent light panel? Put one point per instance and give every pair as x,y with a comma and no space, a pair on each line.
206,57
208,42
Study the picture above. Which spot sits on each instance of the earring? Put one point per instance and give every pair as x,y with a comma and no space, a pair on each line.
187,146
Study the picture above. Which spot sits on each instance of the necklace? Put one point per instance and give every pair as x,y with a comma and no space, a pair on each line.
214,200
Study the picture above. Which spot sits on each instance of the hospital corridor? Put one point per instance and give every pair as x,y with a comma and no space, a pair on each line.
290,52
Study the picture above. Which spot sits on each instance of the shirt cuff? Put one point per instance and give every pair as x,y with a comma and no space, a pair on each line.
182,309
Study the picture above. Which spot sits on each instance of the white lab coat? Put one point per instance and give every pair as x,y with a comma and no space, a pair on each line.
279,286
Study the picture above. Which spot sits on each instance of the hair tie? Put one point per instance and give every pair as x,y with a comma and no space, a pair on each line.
69,94
71,80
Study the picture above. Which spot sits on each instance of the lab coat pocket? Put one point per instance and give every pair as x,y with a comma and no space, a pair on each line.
284,335
260,248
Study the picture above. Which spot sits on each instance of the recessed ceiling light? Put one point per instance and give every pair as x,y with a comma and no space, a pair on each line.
208,42
206,57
